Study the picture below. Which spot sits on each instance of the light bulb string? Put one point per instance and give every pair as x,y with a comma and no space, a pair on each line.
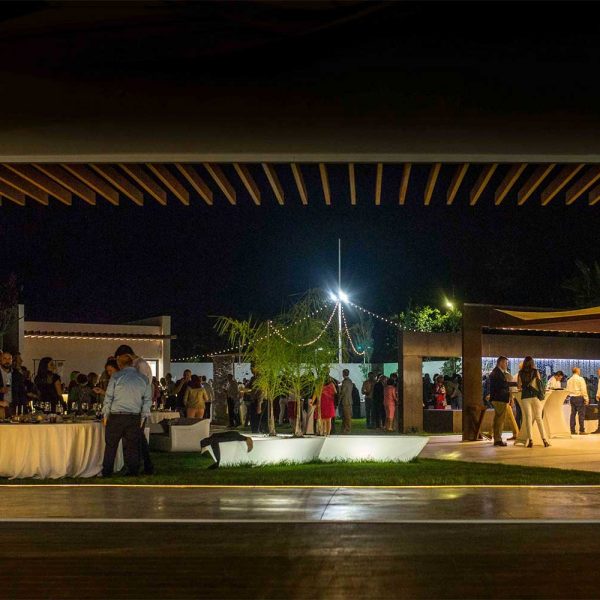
311,342
347,331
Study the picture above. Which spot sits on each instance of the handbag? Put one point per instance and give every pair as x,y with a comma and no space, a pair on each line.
537,389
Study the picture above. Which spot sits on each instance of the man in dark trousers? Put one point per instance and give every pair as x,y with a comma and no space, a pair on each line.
500,382
127,404
13,395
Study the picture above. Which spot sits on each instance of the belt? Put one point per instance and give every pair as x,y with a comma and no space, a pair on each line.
126,413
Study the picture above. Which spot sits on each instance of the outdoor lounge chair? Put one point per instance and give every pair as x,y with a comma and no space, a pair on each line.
181,438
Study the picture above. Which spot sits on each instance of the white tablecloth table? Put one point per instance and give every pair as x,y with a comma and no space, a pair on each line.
51,451
156,416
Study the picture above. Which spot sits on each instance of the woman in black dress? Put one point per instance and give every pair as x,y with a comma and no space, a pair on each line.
48,383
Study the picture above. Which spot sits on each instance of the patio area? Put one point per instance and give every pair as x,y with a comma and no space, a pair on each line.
579,452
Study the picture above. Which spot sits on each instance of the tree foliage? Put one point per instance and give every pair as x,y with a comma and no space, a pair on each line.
429,319
585,284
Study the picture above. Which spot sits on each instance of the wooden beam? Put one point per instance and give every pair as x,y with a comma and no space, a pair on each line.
533,182
217,174
9,192
404,182
147,183
192,177
23,186
378,180
352,179
457,179
120,182
595,195
40,180
170,182
482,181
93,181
300,183
274,181
69,182
248,181
325,183
433,175
560,181
586,182
509,180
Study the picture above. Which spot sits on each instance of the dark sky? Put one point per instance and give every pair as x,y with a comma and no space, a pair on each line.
105,263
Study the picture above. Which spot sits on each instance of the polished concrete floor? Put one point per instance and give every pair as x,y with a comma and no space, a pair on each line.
366,505
580,452
298,560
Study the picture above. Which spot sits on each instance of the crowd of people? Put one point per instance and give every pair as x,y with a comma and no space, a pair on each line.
499,388
442,392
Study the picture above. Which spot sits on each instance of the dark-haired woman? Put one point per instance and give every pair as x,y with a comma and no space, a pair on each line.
48,383
529,383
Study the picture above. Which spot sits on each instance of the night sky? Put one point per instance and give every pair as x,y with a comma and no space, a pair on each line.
116,264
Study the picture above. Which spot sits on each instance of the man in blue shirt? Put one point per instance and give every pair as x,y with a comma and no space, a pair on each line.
127,404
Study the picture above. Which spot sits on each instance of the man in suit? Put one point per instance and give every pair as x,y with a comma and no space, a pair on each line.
13,395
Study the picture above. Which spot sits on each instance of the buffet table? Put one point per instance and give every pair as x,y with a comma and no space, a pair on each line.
52,450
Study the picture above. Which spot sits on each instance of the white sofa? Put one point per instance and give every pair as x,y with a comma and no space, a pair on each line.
181,438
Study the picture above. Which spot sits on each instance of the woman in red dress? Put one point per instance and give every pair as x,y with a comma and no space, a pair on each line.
439,393
327,406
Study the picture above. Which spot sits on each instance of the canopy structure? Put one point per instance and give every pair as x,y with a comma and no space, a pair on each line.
479,319
216,184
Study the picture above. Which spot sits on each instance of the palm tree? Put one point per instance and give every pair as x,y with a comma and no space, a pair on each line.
585,285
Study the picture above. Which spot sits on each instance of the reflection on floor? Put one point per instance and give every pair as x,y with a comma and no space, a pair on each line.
581,452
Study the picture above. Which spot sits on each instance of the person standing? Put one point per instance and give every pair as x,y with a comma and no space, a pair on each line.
210,395
180,389
233,395
530,384
126,407
500,382
327,402
390,397
378,399
195,399
13,393
579,399
439,393
367,391
346,401
48,383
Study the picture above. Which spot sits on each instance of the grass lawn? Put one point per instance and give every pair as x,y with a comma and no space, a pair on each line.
190,468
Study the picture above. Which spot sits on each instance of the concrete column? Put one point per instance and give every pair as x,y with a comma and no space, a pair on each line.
165,327
472,383
410,390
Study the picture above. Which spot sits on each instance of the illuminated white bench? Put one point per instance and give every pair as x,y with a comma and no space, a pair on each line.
273,450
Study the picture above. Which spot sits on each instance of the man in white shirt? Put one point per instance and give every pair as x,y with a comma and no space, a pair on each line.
577,388
555,382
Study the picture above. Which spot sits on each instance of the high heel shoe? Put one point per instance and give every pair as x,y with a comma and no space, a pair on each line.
530,444
546,443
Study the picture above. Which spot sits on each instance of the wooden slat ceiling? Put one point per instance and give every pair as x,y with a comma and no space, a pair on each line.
325,184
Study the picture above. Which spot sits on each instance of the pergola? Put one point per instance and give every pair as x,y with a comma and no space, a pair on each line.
238,183
484,319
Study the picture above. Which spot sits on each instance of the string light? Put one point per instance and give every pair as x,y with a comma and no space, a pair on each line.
195,357
372,314
349,337
313,341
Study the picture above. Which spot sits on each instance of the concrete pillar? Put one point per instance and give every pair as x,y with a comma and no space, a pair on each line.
472,383
165,327
410,390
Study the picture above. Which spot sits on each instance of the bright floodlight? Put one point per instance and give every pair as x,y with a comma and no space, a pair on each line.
343,296
333,296
449,304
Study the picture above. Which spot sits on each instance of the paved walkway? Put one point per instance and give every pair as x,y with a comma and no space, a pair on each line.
301,505
580,452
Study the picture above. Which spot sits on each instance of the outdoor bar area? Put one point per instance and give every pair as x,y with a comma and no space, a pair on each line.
557,340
